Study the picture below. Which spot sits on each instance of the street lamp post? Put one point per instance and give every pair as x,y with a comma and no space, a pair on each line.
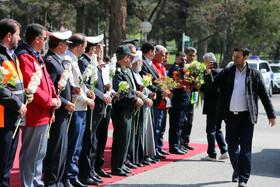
146,27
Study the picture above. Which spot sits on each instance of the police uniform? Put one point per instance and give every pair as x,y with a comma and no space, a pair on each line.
55,160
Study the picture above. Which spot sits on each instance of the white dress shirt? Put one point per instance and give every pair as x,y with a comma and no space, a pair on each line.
74,79
238,102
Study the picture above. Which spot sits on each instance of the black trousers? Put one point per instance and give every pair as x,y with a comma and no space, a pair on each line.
102,134
176,121
239,133
90,143
188,123
8,147
55,159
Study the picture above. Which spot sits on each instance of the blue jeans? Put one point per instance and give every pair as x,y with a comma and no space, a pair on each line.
160,124
75,141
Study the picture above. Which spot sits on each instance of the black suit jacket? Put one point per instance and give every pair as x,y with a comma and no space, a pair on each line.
55,68
99,90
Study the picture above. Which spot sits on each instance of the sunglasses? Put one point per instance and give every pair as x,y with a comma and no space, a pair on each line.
183,60
44,38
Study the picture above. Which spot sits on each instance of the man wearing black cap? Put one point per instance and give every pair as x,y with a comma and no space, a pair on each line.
55,160
123,110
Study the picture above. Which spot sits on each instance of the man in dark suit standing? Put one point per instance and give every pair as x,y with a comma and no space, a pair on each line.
180,103
55,160
240,86
90,150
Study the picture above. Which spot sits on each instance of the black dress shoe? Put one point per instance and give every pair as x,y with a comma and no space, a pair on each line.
160,156
163,152
77,183
155,159
119,173
177,152
94,174
183,149
127,170
146,163
235,176
188,147
103,173
97,179
139,165
68,184
130,165
148,159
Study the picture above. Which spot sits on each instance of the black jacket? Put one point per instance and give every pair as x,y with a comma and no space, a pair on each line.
181,98
255,87
55,68
211,95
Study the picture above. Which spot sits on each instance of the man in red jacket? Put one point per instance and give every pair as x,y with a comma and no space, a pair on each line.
34,139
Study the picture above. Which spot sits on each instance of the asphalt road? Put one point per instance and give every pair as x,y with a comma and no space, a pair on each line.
193,172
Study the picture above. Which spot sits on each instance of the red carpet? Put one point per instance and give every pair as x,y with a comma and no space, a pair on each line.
199,148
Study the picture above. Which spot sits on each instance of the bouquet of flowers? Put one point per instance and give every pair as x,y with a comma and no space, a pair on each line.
61,86
166,83
5,79
93,80
193,74
113,67
35,81
147,80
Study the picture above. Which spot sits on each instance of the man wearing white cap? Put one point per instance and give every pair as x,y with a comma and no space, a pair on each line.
55,160
93,146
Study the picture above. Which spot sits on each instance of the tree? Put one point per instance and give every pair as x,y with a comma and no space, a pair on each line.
117,24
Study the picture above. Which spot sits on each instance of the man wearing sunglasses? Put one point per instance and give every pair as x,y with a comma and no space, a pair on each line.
180,103
38,116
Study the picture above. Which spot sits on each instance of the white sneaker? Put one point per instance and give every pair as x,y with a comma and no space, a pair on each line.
224,156
208,158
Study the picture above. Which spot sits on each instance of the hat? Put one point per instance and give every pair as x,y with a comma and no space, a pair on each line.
62,35
95,39
123,49
138,57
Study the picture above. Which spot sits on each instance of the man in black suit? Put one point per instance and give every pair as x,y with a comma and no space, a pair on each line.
55,160
92,144
149,51
240,87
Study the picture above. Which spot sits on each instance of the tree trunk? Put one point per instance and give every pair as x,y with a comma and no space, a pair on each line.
201,50
45,11
117,24
80,8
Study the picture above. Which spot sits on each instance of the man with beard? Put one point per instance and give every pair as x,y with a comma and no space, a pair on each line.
177,112
12,106
240,87
38,116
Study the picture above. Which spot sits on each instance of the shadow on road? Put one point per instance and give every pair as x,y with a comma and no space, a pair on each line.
266,163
